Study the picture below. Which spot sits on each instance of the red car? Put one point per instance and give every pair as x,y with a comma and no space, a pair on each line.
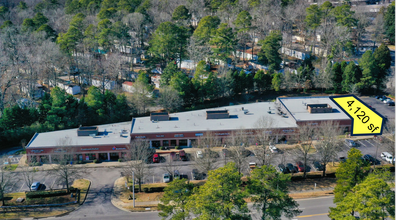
300,166
156,158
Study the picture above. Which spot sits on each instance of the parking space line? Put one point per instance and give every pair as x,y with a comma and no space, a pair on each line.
53,184
20,190
361,142
347,146
368,141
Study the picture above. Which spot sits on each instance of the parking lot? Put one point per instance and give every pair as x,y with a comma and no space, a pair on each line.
19,184
380,107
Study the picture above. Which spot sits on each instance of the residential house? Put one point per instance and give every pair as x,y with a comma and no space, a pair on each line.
155,79
247,54
127,86
297,53
68,86
104,83
33,90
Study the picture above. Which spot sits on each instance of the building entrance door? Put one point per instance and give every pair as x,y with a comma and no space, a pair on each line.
103,156
114,156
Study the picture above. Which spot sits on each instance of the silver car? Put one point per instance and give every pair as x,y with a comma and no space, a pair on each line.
35,186
166,178
350,143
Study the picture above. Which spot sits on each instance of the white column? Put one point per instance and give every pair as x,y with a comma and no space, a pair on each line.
108,156
188,142
276,138
49,157
151,144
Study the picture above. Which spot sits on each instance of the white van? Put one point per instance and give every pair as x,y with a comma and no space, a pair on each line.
387,157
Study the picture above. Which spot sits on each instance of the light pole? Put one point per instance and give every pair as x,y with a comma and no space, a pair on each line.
133,188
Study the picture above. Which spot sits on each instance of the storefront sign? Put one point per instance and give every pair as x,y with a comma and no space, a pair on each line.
60,151
222,134
160,136
140,136
89,148
198,134
119,148
86,157
37,151
287,131
179,135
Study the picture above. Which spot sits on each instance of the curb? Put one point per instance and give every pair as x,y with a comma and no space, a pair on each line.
86,194
113,197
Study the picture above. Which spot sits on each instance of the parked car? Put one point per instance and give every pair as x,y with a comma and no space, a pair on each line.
391,103
166,178
199,154
252,166
176,175
273,149
371,159
343,159
387,101
35,186
226,153
318,166
182,155
283,169
387,157
382,98
300,166
156,158
291,168
350,143
195,174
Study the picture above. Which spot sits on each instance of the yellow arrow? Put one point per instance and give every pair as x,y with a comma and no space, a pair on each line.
365,121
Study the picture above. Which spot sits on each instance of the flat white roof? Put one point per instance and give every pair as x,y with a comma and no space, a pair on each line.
108,134
296,106
196,120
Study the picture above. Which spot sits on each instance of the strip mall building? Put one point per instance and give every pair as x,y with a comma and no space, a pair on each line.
186,129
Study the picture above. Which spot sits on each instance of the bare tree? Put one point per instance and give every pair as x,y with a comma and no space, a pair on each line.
5,179
388,139
169,98
170,165
264,137
305,135
63,170
379,29
238,152
197,52
141,97
207,162
139,153
328,144
390,82
28,174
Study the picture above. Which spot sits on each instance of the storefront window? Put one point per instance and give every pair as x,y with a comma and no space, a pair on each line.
90,156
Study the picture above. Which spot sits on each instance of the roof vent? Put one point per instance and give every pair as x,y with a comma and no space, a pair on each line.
87,131
319,108
159,116
217,114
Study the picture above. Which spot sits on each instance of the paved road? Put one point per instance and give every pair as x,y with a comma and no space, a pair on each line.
316,208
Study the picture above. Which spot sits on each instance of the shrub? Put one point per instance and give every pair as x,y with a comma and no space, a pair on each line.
72,189
43,194
153,189
162,147
95,161
177,147
37,164
119,160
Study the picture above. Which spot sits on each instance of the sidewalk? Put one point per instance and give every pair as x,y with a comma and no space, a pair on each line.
118,188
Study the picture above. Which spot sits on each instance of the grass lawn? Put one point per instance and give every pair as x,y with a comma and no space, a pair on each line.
11,167
35,213
83,185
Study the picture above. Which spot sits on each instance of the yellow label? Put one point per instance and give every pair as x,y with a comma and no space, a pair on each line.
365,121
